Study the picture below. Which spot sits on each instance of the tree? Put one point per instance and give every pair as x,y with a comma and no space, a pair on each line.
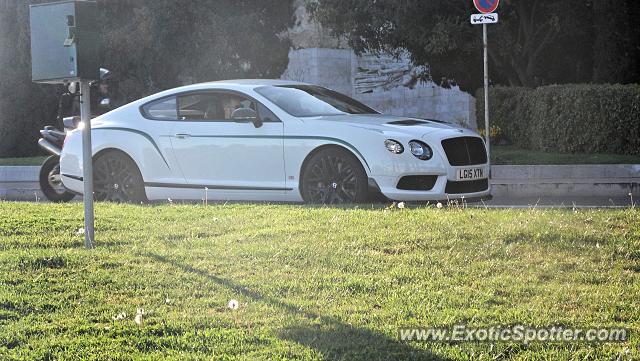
439,34
24,106
150,45
167,43
615,50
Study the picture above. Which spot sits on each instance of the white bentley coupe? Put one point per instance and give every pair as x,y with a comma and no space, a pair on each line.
273,140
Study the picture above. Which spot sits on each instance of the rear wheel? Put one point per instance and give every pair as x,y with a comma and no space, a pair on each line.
51,183
333,176
116,178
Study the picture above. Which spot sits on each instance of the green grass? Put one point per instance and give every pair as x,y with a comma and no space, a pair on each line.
22,161
313,283
512,155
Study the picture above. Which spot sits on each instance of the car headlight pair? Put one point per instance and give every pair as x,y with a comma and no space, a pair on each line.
419,149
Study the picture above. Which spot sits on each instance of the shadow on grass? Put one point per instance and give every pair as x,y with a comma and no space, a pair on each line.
553,238
334,339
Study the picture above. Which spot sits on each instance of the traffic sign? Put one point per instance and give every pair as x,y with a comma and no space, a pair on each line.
486,6
491,18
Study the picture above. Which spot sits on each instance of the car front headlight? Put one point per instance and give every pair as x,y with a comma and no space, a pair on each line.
394,146
420,150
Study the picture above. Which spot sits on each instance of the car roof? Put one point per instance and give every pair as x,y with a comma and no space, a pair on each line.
257,82
243,83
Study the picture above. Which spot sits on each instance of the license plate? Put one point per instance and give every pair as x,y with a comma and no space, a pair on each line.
470,174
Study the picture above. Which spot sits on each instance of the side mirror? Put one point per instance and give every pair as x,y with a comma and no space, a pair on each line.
246,115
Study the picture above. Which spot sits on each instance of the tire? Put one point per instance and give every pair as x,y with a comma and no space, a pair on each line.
333,176
116,178
50,182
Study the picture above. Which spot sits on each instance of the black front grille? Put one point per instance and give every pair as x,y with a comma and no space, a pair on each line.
480,185
417,182
465,151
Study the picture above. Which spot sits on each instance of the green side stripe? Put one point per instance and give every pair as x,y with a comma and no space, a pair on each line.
340,141
139,132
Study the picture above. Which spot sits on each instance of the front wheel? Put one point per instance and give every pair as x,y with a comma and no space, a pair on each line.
51,183
116,178
334,176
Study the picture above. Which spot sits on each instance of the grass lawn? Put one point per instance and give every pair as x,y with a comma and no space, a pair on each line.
312,283
506,154
23,161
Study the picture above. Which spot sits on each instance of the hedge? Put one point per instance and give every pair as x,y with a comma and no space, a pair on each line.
580,118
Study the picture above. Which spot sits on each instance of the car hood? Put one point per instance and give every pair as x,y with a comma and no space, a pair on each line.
388,123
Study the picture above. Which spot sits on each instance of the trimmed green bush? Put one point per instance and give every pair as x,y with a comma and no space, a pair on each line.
568,118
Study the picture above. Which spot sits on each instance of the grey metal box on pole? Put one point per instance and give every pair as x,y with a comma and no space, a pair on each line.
65,47
65,42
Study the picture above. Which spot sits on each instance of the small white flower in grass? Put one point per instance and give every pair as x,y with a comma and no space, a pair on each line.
139,317
439,205
401,205
120,316
233,304
80,231
167,300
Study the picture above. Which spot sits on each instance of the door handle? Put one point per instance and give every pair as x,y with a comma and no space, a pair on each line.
182,136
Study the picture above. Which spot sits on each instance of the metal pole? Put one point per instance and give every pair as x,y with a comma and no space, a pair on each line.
87,164
486,91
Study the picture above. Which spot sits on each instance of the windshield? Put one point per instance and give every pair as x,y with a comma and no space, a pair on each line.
312,101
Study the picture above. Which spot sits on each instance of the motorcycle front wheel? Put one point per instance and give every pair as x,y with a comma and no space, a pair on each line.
51,183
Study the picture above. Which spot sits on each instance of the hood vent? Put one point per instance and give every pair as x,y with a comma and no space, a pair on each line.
408,122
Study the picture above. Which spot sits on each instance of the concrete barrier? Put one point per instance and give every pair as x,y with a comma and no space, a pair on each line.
615,180
20,183
521,181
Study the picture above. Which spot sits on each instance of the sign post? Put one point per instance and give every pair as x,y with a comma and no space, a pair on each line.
487,16
487,128
87,162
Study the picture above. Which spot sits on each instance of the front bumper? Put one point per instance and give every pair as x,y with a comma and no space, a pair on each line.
73,183
388,186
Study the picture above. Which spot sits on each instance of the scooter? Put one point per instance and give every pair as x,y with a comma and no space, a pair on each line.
52,142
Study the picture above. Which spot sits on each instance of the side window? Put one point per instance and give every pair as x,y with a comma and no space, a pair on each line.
231,102
164,109
199,106
211,106
204,106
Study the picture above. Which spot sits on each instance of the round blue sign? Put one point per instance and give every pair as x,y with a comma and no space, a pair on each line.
486,6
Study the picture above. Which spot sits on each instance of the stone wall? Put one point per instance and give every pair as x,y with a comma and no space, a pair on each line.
330,68
394,89
384,82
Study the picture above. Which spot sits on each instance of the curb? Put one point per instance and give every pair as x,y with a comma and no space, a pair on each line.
519,181
20,183
608,180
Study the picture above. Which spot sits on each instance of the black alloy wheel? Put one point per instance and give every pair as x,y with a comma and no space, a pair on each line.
116,178
334,176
